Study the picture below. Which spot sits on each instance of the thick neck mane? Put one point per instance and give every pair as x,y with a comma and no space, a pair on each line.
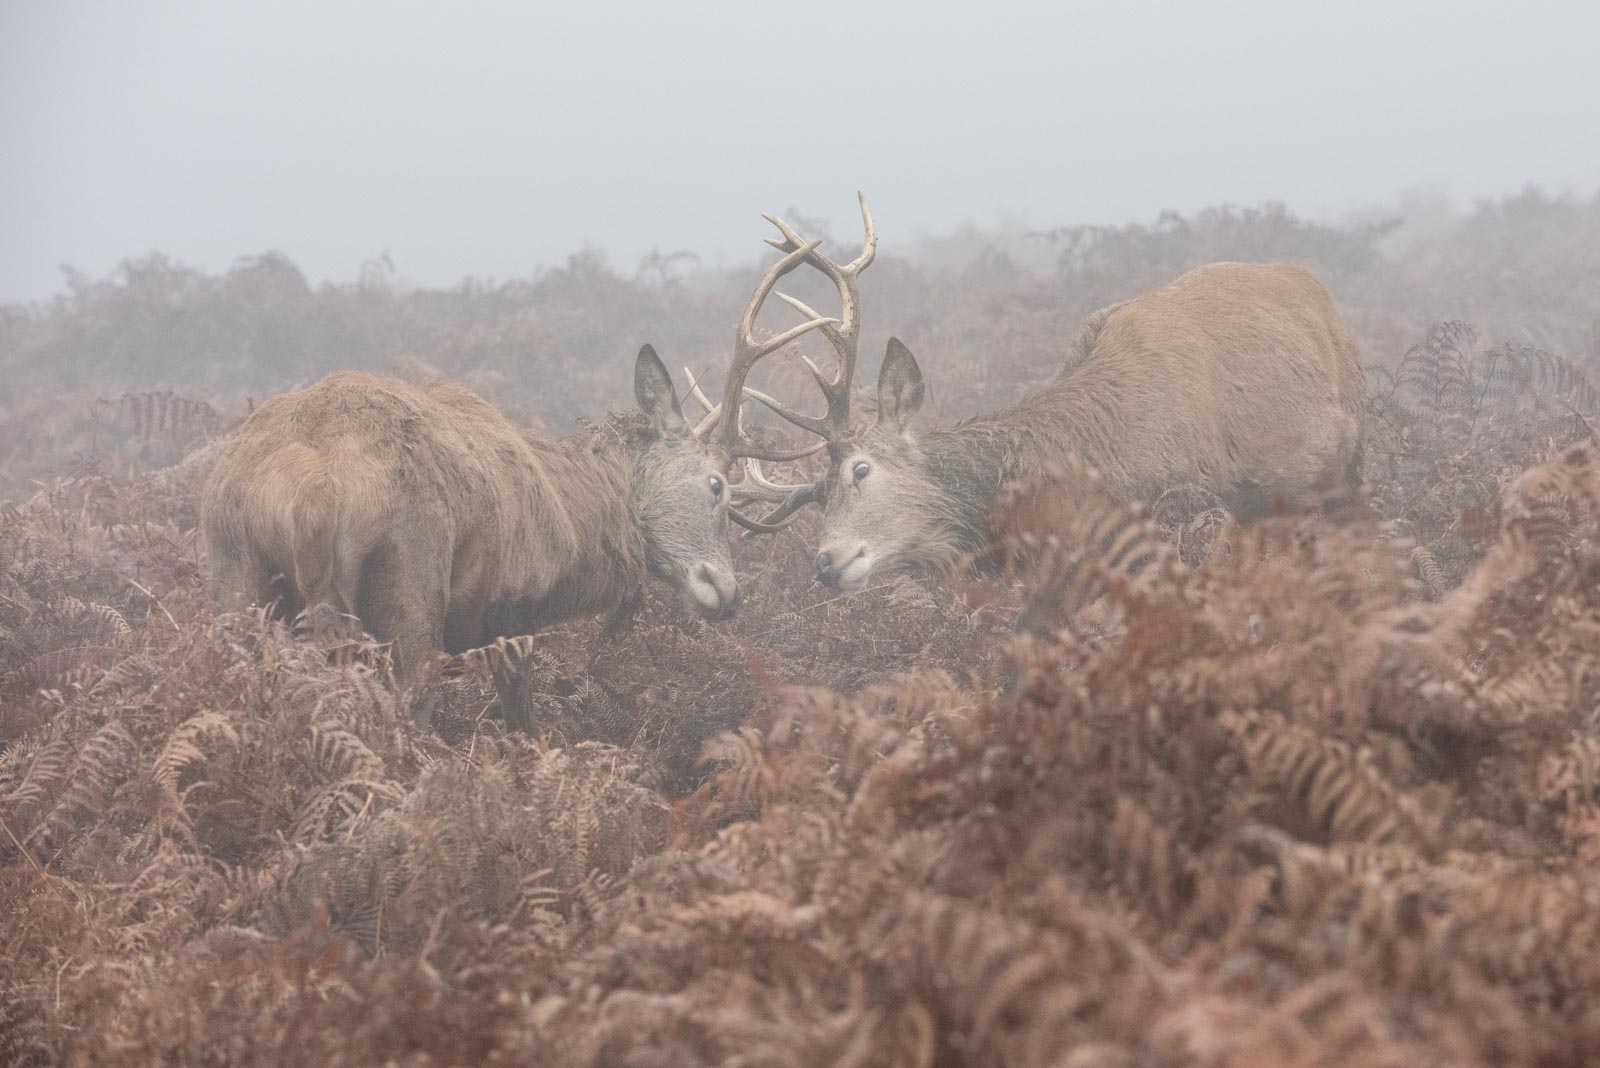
605,456
977,458
593,527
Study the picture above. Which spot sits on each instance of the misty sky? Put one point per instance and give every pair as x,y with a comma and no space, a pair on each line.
490,139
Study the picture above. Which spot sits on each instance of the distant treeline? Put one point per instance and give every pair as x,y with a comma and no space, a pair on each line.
557,346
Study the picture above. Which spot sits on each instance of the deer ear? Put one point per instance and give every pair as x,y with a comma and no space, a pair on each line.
900,389
652,388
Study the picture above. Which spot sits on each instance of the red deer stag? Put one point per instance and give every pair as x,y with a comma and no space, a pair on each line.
426,514
1238,378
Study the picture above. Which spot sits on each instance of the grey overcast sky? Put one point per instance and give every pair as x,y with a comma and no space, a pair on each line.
489,139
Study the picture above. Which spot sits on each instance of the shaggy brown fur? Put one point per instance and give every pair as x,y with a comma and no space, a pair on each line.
1237,378
424,512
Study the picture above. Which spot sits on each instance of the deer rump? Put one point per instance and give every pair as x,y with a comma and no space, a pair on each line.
418,509
1235,377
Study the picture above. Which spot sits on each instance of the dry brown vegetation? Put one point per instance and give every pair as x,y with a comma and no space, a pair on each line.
1304,794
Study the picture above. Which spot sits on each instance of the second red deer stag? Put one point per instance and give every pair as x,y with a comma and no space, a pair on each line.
1238,378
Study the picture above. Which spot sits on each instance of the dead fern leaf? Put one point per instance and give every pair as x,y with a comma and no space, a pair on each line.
185,748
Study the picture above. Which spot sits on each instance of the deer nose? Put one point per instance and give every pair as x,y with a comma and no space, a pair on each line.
726,589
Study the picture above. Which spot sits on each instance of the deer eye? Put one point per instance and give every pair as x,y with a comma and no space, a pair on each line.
716,488
861,469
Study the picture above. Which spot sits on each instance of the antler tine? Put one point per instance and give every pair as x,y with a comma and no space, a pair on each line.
697,393
869,246
757,487
710,410
823,381
783,516
816,425
799,305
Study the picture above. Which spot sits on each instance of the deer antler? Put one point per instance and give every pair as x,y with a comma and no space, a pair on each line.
721,423
843,333
724,422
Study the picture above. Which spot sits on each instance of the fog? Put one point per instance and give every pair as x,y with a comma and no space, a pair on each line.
491,139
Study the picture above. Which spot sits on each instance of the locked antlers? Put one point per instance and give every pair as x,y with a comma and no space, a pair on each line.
724,424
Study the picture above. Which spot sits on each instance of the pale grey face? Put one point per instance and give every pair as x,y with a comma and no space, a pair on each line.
882,509
681,498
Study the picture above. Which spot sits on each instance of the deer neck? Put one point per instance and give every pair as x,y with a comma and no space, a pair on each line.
973,461
603,456
969,464
608,541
